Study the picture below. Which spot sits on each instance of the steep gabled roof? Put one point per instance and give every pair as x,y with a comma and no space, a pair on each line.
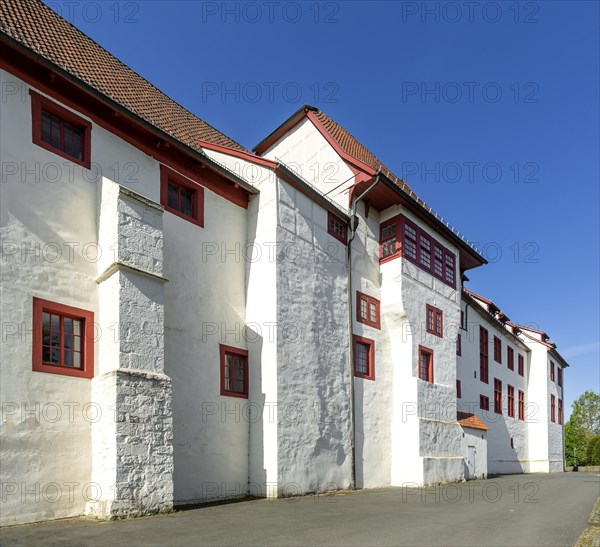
37,27
361,160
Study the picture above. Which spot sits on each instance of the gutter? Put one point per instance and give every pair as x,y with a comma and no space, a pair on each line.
353,226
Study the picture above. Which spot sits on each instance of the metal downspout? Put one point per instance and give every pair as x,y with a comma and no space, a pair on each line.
353,226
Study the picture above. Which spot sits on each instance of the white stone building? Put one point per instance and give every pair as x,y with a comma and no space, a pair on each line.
184,320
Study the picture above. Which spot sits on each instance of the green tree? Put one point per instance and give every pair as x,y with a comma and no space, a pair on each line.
581,429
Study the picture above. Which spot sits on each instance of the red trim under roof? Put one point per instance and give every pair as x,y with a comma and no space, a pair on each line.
238,154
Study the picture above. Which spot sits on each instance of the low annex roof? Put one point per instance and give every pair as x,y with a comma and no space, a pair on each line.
466,419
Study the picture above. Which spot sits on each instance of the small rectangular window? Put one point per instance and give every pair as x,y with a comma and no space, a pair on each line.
510,358
497,350
409,247
560,376
434,318
483,355
511,401
63,339
60,130
458,389
181,196
459,345
552,408
484,402
497,396
521,370
364,357
389,240
425,251
462,319
521,405
512,442
367,310
560,411
234,371
337,228
552,371
425,364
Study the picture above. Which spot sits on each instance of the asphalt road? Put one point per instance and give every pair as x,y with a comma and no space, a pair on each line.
525,510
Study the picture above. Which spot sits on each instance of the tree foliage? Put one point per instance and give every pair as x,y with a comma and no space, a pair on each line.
582,431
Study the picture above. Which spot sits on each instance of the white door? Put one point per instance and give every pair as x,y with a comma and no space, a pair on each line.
471,468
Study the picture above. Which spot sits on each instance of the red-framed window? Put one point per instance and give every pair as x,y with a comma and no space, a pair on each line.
497,350
234,371
181,196
560,411
434,318
401,237
497,396
521,405
483,355
458,389
552,370
560,376
367,310
426,364
63,339
459,345
484,402
337,228
552,408
511,400
60,130
510,358
364,357
521,365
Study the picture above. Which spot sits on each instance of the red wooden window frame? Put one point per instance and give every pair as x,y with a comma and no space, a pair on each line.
484,402
497,350
458,389
434,320
372,308
510,358
484,364
560,411
553,408
497,396
552,371
560,376
511,400
370,345
426,373
168,176
399,236
337,228
40,104
233,352
521,405
459,345
521,365
86,318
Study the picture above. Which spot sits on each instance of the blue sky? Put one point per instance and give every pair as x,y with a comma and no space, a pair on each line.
489,110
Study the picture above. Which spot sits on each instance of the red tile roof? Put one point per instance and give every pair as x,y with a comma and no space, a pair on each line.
470,420
36,26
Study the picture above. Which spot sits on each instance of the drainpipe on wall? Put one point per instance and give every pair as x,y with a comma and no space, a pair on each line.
353,226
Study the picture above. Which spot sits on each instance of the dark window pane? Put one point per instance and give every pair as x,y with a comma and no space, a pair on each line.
173,199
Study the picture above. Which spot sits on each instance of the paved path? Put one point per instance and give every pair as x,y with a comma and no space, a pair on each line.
525,510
